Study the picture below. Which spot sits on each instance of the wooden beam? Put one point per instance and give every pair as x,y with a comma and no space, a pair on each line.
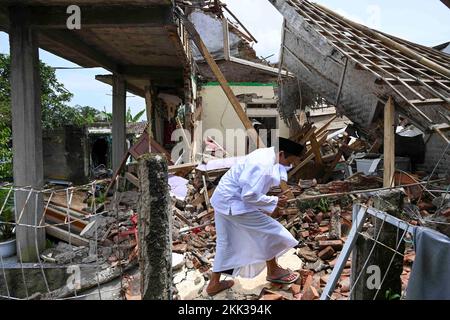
223,83
226,39
301,165
308,157
132,178
325,126
185,137
316,149
182,167
389,143
66,236
442,135
149,112
55,17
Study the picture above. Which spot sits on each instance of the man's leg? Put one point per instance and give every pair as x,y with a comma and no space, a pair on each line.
274,271
215,285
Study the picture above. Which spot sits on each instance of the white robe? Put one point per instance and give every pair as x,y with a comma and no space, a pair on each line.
246,236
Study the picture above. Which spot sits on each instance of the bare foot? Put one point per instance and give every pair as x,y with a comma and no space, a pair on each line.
216,288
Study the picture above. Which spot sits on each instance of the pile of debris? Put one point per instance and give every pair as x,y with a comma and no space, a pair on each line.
320,218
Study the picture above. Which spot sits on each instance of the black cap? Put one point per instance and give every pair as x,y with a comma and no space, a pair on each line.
290,147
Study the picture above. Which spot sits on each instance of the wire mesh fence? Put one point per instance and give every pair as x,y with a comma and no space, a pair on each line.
53,249
374,258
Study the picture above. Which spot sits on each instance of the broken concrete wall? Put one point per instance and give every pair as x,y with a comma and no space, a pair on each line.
66,155
31,281
435,148
211,30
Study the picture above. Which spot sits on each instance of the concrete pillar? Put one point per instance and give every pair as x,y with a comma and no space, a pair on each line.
119,121
27,132
155,224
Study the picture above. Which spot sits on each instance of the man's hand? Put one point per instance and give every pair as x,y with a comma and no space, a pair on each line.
282,201
276,213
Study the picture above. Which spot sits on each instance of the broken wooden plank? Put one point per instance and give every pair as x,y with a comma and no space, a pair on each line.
66,236
179,214
301,165
389,143
182,167
58,217
316,150
132,178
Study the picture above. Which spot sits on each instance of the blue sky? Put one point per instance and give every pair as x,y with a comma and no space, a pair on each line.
425,22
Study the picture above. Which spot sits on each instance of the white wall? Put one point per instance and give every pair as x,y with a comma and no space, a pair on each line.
219,114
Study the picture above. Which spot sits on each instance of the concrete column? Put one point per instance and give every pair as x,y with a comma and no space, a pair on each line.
119,121
155,228
27,132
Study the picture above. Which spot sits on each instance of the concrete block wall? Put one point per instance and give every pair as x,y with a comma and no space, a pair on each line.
435,148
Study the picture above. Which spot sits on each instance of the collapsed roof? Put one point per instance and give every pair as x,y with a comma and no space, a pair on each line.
358,69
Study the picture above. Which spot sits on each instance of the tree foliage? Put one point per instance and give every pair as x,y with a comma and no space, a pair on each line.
55,109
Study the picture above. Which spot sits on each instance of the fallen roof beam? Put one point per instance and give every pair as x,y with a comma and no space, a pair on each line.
428,101
391,43
260,66
103,17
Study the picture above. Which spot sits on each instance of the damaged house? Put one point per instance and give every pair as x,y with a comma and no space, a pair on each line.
146,229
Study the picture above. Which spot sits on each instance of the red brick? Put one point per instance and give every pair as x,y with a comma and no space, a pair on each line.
425,206
445,213
295,289
316,281
332,263
271,297
298,296
180,248
345,285
310,294
304,274
197,263
307,283
324,229
326,253
346,272
307,218
304,234
324,279
335,244
321,237
319,217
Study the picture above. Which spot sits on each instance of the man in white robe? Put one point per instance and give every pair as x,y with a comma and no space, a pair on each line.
248,238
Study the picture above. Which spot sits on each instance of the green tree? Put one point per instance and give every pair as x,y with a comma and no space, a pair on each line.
5,152
136,118
55,109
